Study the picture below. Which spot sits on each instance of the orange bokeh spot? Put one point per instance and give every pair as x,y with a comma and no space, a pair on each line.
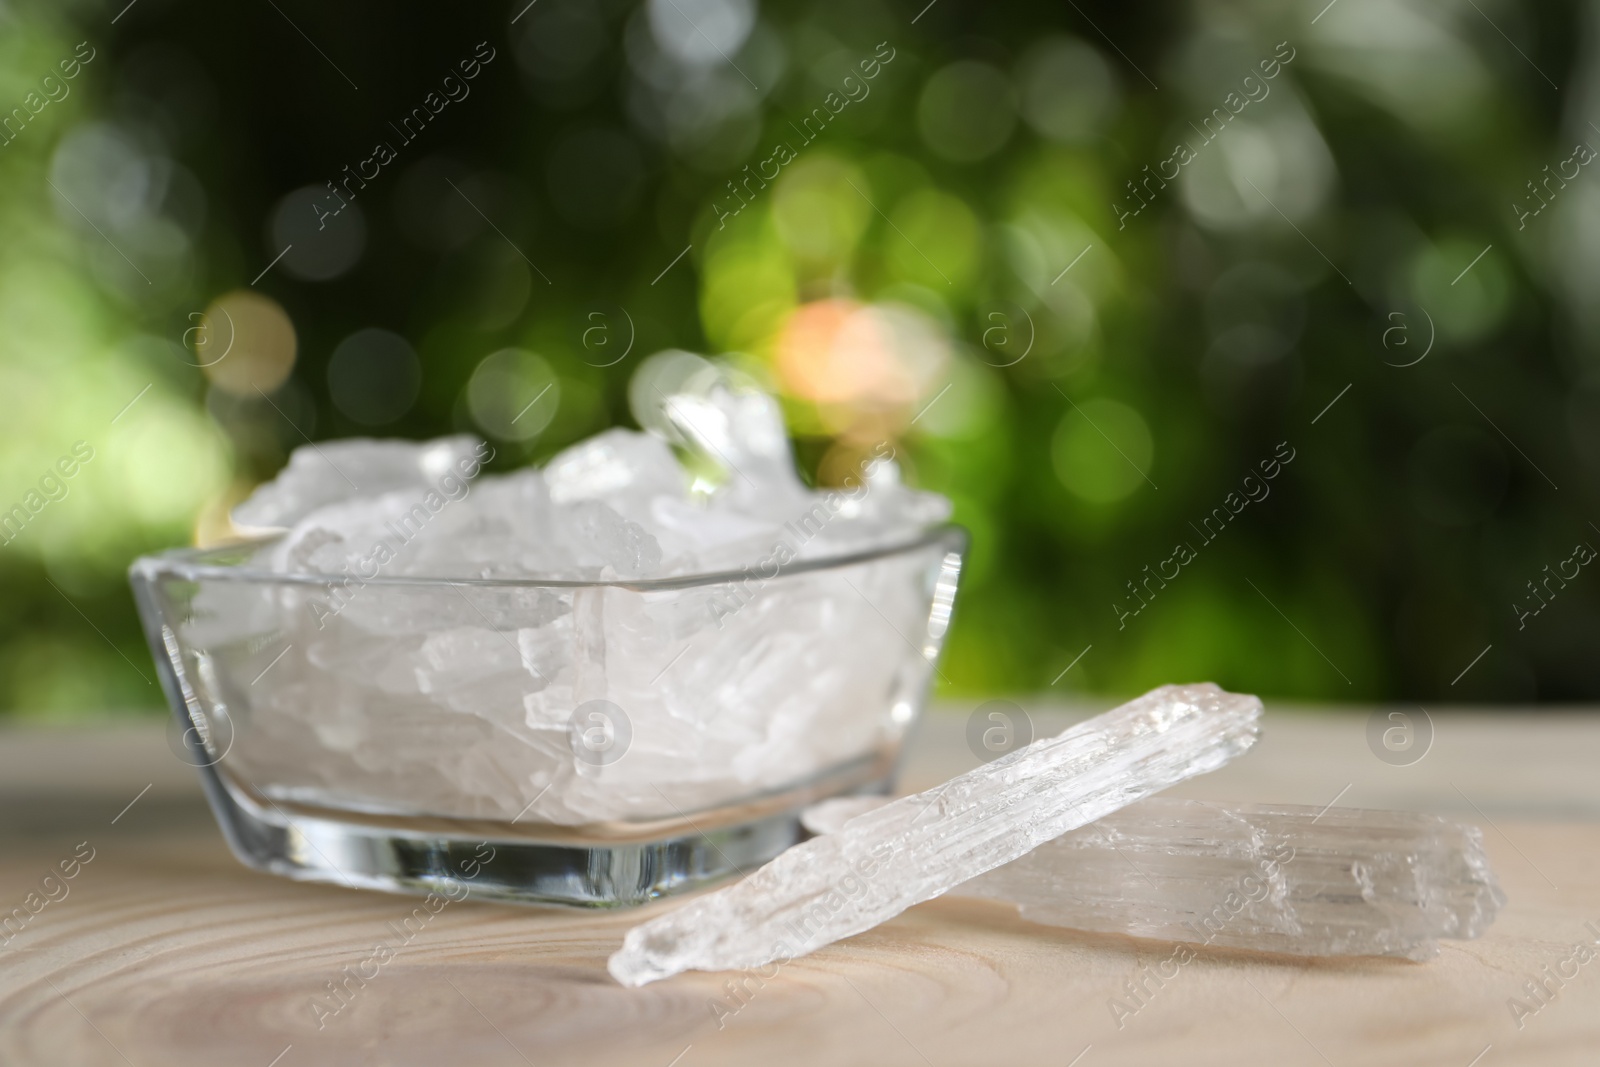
843,353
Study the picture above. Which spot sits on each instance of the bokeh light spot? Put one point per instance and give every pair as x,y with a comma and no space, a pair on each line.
936,240
1102,450
817,212
374,377
749,288
321,244
701,32
1465,306
1282,155
513,394
860,359
659,376
1068,91
251,343
967,111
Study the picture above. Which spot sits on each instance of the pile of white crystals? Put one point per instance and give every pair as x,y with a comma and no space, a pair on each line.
459,699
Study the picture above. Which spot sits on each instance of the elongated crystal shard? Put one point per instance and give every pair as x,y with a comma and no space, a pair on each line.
1276,878
920,846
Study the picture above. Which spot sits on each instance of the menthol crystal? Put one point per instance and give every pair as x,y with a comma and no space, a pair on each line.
920,846
1276,878
458,700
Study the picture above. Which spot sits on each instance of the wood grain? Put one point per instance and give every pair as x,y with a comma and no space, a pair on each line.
166,951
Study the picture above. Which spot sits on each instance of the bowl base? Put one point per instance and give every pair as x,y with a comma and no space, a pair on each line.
501,866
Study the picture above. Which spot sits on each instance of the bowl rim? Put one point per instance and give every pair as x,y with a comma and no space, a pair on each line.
201,564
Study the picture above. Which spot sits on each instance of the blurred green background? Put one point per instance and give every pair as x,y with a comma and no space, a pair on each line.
980,238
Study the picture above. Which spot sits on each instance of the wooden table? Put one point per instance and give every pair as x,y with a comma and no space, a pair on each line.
165,951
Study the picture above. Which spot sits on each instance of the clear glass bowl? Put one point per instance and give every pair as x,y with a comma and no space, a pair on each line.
605,743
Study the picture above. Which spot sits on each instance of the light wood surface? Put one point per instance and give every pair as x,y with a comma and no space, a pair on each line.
165,951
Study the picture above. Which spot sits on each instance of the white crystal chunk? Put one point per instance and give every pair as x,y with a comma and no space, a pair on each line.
318,475
1273,878
615,466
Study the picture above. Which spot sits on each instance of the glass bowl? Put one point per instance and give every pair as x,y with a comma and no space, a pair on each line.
566,742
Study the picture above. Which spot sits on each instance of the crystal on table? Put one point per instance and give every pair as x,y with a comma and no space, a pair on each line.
921,846
1274,878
